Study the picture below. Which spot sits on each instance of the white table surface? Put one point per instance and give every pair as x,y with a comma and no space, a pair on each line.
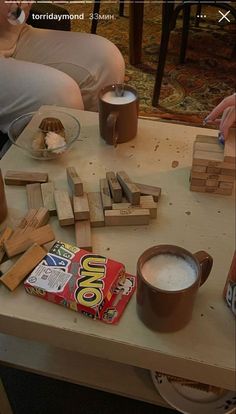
205,349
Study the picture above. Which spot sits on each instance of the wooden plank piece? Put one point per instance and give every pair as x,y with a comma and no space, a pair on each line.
34,195
127,217
147,202
116,190
24,265
25,222
5,235
230,147
204,146
83,235
74,181
81,207
207,158
22,242
47,190
146,189
96,209
105,194
24,177
130,189
226,185
64,209
207,139
41,218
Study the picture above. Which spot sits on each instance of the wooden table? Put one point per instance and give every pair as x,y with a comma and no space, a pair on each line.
205,349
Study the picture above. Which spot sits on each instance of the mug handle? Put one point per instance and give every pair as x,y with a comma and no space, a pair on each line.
206,261
112,128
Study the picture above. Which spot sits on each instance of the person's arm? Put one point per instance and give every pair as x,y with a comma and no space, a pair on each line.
227,108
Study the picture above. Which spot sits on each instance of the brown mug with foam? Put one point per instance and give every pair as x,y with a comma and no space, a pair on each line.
118,113
168,279
3,202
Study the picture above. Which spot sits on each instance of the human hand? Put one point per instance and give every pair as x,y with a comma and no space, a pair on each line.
227,108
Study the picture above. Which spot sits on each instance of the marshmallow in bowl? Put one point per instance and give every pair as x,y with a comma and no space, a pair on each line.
53,141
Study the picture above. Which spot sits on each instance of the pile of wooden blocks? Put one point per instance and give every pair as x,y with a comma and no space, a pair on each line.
120,202
213,169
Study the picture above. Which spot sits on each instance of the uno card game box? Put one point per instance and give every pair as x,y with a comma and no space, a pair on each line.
82,281
230,286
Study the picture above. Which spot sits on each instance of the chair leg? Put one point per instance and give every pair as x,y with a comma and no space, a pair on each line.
167,11
198,13
96,9
121,8
185,31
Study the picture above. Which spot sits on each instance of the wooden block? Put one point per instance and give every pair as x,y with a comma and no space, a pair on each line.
228,172
149,190
22,242
198,188
226,178
34,195
74,181
81,207
131,190
213,170
198,182
226,185
25,222
200,176
47,190
83,235
127,217
24,265
147,202
212,183
64,209
206,139
223,191
228,165
205,146
5,235
41,218
105,194
230,147
120,206
210,189
199,168
211,159
24,177
96,209
116,190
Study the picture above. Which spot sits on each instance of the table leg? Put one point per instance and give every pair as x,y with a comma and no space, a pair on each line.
5,407
135,31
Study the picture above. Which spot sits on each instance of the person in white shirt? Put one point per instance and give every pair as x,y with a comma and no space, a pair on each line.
39,66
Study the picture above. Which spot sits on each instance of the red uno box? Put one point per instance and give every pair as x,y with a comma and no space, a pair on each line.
83,281
230,286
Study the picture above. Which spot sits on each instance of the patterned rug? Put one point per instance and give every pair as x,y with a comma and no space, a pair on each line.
188,91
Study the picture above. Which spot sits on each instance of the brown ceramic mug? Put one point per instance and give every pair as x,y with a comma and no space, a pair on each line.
118,115
3,202
165,299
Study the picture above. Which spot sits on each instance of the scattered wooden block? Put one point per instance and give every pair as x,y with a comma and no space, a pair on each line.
116,190
121,206
230,147
24,177
127,217
25,222
105,194
131,190
145,189
47,190
5,235
34,195
83,235
41,218
64,209
96,209
74,181
24,265
147,202
22,242
81,207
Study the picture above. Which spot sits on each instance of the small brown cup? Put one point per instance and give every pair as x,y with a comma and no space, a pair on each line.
118,122
170,310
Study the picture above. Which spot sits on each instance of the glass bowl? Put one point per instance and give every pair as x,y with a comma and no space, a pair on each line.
22,132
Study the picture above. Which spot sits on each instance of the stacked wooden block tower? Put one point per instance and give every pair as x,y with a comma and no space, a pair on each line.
213,168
